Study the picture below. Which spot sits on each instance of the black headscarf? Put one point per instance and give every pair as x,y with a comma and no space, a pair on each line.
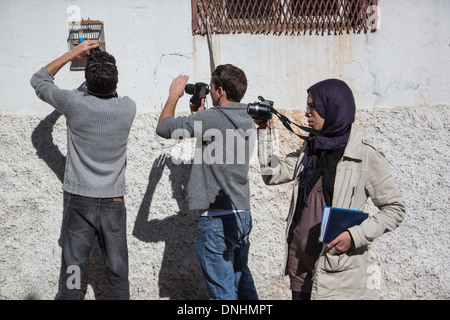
333,100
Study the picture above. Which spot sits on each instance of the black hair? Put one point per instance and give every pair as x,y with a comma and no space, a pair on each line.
101,72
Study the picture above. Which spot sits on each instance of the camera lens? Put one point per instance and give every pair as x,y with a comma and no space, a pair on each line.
259,111
251,109
190,88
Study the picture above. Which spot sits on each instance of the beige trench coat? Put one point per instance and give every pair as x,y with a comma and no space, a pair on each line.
361,173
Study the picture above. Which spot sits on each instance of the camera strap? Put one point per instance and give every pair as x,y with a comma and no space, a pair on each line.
287,123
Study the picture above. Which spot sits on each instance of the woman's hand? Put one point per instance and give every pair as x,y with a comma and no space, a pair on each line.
264,124
342,242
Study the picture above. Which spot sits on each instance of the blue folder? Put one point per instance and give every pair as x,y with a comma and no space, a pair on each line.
337,220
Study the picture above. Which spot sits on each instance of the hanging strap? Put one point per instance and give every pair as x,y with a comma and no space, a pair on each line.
287,123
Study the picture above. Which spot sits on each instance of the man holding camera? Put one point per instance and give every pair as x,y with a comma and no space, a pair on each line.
218,187
98,125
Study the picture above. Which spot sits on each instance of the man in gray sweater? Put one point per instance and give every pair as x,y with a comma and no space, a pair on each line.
218,188
98,125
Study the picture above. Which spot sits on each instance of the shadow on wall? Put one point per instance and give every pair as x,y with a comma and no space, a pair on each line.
47,150
180,274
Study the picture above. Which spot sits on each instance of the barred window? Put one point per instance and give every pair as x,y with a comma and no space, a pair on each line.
289,17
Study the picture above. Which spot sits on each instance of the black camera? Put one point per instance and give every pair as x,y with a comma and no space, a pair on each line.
198,92
261,110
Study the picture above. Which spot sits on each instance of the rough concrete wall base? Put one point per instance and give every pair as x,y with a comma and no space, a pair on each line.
409,263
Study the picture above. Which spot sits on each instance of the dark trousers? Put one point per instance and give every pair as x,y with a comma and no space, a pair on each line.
85,220
296,295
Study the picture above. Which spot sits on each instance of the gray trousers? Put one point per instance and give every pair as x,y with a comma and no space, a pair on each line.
85,220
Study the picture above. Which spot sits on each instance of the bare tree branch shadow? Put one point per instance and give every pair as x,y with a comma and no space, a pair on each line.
48,151
180,275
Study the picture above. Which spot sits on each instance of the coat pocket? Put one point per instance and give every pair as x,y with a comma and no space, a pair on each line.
334,261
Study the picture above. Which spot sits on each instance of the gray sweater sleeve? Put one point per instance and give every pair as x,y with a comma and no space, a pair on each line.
185,127
46,90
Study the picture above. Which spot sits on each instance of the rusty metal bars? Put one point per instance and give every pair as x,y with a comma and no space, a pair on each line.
289,17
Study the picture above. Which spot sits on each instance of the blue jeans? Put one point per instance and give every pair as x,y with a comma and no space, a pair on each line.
222,247
85,220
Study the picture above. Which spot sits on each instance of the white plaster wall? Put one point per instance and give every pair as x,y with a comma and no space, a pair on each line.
405,63
400,78
408,263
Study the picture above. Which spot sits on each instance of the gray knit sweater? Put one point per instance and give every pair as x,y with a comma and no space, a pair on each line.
97,136
226,138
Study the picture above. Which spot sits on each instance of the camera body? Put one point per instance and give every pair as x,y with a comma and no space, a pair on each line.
198,92
261,110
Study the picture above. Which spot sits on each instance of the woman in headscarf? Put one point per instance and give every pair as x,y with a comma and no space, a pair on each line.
335,167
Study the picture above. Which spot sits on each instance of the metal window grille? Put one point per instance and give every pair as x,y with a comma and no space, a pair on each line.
289,17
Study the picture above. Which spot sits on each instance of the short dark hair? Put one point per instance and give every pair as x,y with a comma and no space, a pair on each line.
101,78
232,80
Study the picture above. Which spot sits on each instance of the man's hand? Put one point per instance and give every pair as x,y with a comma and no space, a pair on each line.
342,242
176,91
78,52
194,108
177,87
83,49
